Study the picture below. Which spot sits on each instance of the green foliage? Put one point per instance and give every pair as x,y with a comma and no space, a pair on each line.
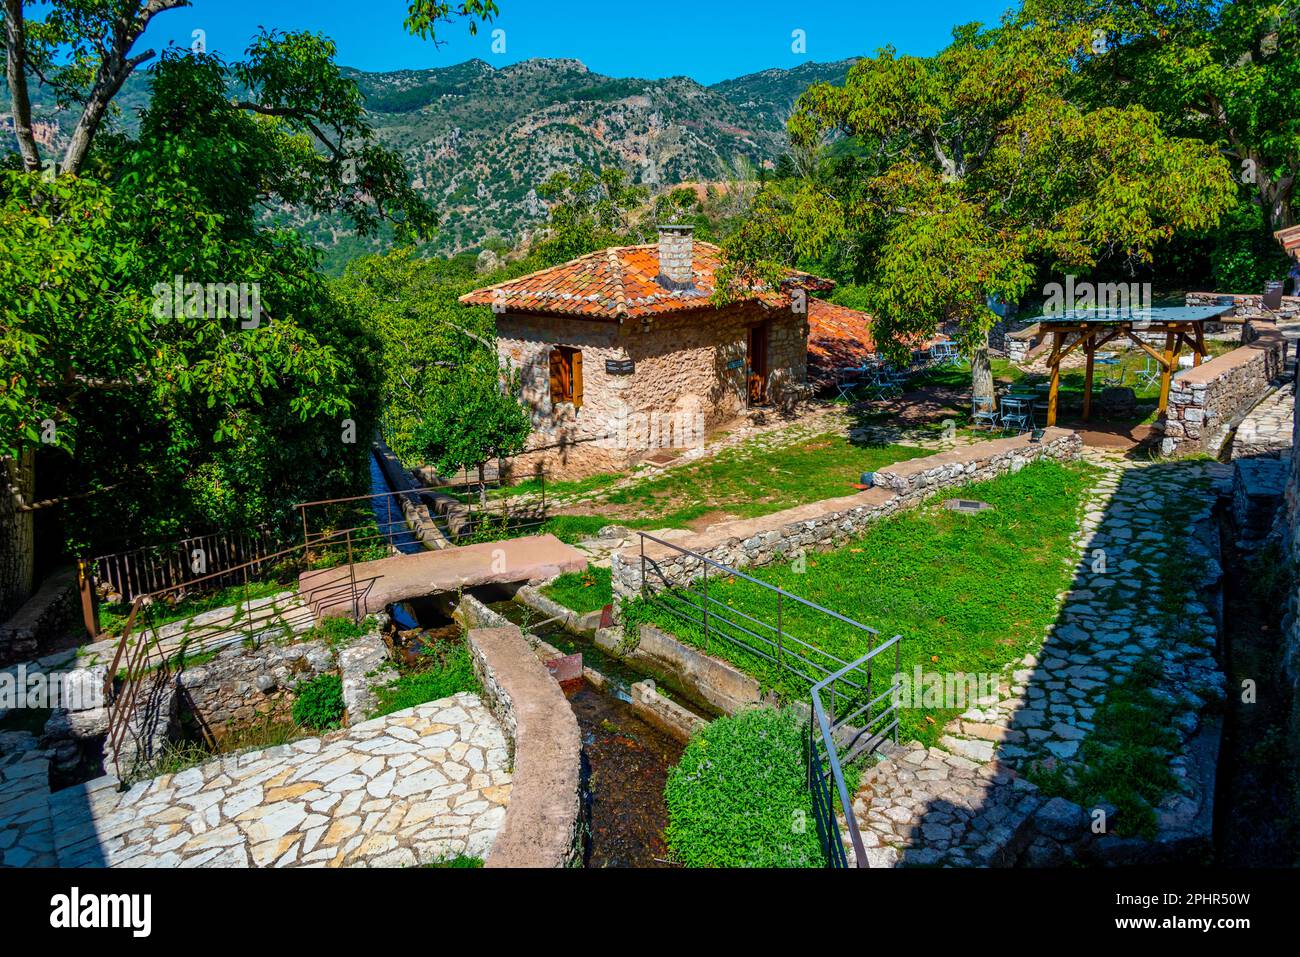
588,211
1226,73
447,670
319,702
584,591
739,796
476,417
977,167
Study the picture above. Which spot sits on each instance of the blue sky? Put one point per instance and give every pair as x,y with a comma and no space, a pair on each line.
708,40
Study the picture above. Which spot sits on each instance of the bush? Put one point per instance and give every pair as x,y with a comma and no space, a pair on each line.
739,798
449,670
319,704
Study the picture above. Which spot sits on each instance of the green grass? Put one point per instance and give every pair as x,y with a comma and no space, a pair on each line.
585,591
448,670
968,593
750,480
457,862
739,797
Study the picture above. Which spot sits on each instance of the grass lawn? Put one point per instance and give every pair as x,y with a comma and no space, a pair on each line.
585,591
968,593
747,481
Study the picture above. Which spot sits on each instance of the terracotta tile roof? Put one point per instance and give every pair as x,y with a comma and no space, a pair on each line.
619,283
837,337
1290,239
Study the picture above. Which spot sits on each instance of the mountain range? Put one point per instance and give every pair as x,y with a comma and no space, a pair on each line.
478,139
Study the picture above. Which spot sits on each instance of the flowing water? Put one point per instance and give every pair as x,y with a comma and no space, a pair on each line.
625,760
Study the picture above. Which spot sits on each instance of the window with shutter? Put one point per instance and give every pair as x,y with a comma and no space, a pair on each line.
566,376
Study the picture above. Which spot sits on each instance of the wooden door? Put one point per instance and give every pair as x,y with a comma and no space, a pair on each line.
756,355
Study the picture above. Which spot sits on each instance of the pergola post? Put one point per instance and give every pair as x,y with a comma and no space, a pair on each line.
1090,350
1057,339
1167,374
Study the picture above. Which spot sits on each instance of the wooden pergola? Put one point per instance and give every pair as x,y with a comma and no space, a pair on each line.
1092,329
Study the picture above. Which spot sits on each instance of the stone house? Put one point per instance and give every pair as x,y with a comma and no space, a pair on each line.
623,355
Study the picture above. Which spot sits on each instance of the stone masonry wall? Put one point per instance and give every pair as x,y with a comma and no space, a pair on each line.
828,524
1207,401
681,368
242,685
1248,307
541,825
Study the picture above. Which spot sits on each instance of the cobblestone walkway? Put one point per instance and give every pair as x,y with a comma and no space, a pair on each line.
1266,431
966,802
411,788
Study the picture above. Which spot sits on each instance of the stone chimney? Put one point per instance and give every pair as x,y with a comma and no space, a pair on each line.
676,248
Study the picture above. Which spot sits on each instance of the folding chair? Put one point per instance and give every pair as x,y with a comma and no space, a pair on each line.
1017,415
985,413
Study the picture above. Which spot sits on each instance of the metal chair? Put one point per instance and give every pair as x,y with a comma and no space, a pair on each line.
1017,415
985,412
1149,374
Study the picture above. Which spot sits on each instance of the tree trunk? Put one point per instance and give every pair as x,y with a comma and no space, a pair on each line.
482,487
981,372
16,75
17,532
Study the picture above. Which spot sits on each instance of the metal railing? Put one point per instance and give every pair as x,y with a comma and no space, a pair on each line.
851,688
140,649
836,739
177,565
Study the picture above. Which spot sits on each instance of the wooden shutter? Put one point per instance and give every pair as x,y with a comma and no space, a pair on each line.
575,358
559,377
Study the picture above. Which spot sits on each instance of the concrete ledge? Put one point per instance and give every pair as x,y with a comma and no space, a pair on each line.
698,675
541,825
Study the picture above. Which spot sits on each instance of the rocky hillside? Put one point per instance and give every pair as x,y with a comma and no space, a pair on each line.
479,139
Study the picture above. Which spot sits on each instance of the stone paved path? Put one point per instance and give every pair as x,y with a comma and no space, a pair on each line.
271,618
1266,430
966,802
411,788
26,833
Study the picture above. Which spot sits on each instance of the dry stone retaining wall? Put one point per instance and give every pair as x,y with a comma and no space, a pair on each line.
1207,401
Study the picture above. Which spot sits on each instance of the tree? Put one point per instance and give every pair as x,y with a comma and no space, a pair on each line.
589,210
1225,72
974,168
186,416
474,417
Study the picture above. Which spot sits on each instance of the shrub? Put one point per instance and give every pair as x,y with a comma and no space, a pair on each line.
450,670
319,704
738,797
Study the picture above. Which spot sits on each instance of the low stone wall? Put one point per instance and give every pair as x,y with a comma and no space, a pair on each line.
541,825
45,615
1207,402
416,513
1247,307
242,685
830,523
